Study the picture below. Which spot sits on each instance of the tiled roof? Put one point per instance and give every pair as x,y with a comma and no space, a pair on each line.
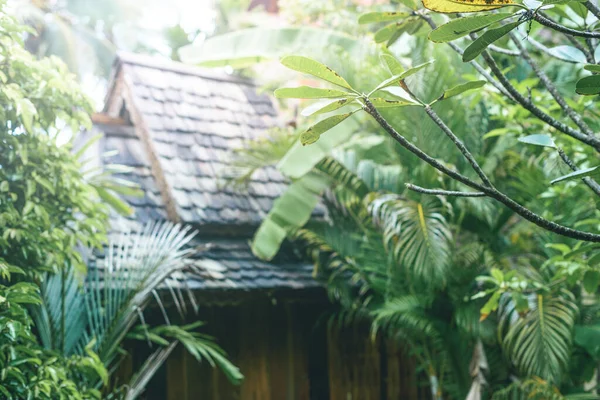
195,119
229,264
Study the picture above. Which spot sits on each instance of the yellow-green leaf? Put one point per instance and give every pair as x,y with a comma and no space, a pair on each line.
307,92
384,103
397,78
460,27
314,68
381,17
313,133
464,87
592,67
456,6
325,106
392,64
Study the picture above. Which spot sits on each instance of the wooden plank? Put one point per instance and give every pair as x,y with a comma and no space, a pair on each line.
253,351
299,327
278,357
177,387
224,325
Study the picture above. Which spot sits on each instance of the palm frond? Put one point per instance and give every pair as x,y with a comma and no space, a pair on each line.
133,268
60,320
539,343
417,234
146,371
406,315
201,346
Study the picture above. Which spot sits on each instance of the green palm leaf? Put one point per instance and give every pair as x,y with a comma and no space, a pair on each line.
539,343
417,234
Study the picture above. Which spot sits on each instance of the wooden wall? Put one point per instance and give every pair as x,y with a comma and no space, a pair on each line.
287,351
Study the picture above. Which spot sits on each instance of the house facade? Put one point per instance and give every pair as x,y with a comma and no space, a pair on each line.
176,128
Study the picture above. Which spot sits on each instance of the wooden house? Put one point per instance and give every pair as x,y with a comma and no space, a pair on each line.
177,127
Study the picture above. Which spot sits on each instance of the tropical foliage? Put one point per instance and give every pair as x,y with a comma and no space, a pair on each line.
449,270
63,333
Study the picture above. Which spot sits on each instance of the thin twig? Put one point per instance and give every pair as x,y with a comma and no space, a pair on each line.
440,192
502,50
591,183
489,191
459,144
542,19
574,116
474,63
532,108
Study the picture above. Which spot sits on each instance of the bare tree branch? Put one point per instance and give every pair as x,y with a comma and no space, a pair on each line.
532,108
575,117
591,183
542,19
440,192
489,191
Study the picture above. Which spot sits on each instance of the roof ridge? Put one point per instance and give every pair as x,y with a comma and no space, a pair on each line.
178,67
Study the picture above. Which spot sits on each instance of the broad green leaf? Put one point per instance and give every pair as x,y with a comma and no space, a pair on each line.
392,31
247,47
307,92
381,17
592,67
392,64
582,173
464,87
460,27
489,37
397,78
497,274
299,160
539,139
568,53
588,337
117,204
591,279
589,85
384,103
555,2
456,6
309,66
27,111
325,106
594,260
289,212
313,133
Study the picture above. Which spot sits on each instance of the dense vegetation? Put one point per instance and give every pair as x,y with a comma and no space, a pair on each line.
62,336
506,271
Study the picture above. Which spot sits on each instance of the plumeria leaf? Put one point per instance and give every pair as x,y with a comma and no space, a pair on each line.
460,27
489,37
314,68
313,133
582,173
539,139
460,89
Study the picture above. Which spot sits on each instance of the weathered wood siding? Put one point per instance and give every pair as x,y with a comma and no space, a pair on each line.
287,351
